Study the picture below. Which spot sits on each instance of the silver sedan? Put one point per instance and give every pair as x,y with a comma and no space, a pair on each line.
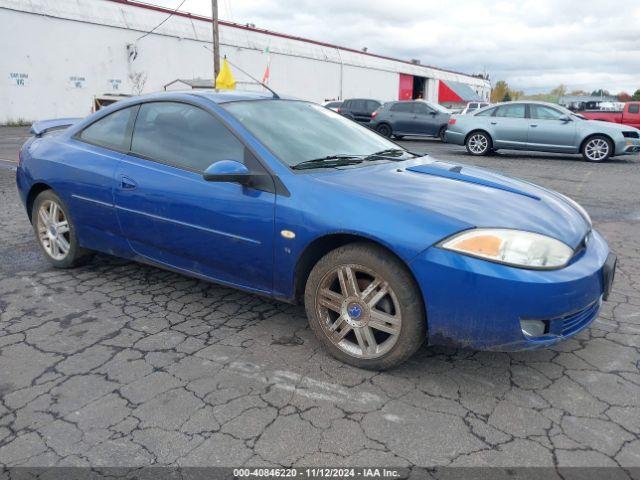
542,127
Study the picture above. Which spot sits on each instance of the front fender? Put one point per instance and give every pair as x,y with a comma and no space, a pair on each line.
312,213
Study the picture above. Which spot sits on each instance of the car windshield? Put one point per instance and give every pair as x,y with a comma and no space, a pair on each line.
439,107
297,131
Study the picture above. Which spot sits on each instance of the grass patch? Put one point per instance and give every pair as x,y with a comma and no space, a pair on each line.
20,122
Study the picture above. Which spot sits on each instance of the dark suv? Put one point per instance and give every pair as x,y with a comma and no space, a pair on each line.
416,117
359,109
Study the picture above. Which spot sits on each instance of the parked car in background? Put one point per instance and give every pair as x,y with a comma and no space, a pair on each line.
629,115
386,248
473,107
542,127
333,105
411,118
359,109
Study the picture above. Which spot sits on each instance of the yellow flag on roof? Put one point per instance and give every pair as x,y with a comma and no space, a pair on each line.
225,78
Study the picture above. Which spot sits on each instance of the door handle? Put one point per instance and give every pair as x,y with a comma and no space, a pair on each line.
127,183
534,125
494,123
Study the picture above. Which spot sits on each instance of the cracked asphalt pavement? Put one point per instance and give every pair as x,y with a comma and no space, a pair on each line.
121,364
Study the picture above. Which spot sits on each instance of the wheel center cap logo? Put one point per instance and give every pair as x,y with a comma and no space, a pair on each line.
354,310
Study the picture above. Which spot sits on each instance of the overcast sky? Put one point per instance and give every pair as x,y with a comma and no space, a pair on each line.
533,44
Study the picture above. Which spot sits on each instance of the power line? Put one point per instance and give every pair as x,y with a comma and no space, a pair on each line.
162,22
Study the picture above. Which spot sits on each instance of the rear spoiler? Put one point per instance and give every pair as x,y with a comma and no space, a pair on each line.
43,126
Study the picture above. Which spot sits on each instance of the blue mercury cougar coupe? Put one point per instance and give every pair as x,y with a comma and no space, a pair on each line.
288,199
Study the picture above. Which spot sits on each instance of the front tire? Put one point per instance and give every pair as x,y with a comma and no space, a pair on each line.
597,149
479,143
364,307
55,231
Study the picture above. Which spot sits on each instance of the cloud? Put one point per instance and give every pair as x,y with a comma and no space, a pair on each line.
533,44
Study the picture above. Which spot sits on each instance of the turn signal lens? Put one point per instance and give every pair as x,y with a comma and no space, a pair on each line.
452,121
511,247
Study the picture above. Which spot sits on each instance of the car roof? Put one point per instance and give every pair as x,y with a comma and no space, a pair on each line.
224,96
217,96
531,102
373,99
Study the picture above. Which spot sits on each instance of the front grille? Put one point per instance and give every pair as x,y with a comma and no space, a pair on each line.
631,134
577,320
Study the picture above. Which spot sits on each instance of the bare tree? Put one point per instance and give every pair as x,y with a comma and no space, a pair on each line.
138,81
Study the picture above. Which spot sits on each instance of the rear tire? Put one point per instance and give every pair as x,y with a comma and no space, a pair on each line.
597,149
56,232
365,307
478,143
442,134
384,130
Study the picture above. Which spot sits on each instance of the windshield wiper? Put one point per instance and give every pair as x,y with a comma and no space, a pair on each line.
389,154
329,161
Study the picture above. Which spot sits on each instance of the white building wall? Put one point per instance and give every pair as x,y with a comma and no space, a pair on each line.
55,55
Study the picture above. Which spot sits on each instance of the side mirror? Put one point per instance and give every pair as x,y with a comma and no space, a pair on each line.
433,113
227,171
565,119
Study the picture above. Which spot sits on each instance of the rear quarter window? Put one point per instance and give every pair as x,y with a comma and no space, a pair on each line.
634,108
112,131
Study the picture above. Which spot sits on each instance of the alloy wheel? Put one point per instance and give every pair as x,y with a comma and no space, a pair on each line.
358,311
478,143
53,230
597,149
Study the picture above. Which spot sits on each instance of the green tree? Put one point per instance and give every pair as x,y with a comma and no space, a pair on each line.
507,97
499,90
636,96
600,93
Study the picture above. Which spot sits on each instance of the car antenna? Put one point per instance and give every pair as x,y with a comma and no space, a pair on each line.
275,95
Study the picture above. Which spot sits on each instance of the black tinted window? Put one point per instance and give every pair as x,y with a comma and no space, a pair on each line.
184,136
406,107
511,111
333,104
112,131
635,108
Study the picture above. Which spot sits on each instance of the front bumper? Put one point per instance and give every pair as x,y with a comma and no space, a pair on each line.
478,304
627,146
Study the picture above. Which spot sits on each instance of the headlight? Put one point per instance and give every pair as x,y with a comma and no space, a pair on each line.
511,247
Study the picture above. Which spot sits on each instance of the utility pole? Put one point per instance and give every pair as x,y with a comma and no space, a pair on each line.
216,40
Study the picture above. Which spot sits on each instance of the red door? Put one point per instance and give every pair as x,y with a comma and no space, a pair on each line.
405,92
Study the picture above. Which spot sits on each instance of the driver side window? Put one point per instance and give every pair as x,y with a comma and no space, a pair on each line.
511,111
541,112
421,108
183,136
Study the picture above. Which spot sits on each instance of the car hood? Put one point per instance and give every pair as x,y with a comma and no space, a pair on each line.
609,126
469,195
